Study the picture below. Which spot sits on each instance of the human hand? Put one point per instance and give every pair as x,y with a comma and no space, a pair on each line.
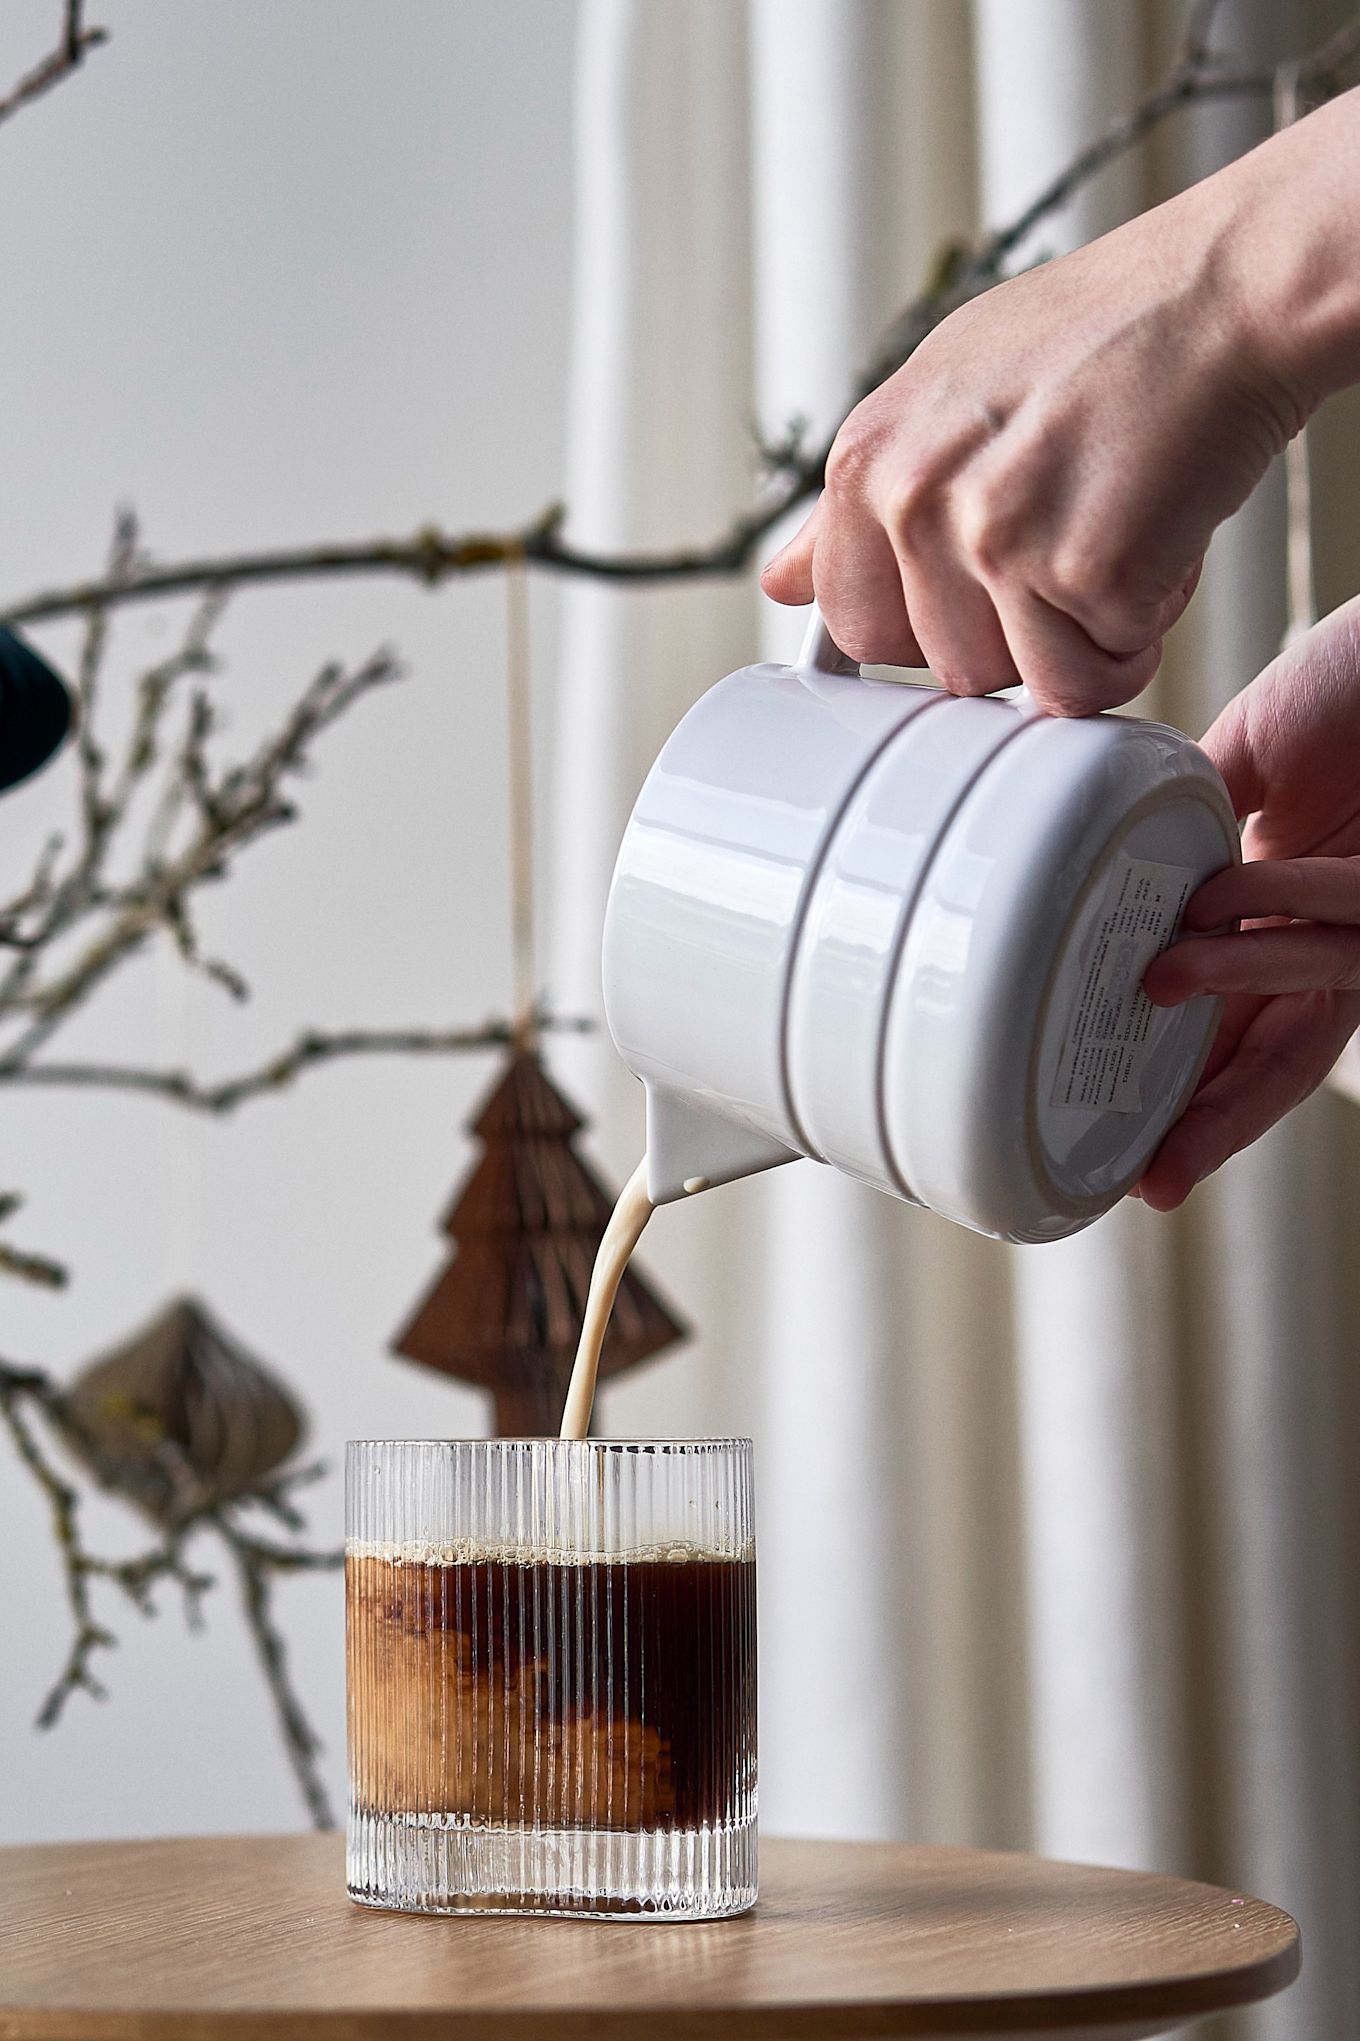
1029,498
1289,748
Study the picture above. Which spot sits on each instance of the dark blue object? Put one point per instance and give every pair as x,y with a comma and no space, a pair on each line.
35,710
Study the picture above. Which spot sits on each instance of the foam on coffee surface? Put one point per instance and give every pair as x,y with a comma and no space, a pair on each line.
478,1552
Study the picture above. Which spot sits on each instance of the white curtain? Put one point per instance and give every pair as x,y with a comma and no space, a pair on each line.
1057,1546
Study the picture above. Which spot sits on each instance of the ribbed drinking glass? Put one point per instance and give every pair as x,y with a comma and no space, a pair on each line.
551,1671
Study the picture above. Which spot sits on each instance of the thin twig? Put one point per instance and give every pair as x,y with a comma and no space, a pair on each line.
310,1049
63,1504
276,1496
28,1267
57,898
32,1268
256,1565
75,45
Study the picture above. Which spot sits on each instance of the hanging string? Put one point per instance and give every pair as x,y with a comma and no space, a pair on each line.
1300,588
181,1140
525,1014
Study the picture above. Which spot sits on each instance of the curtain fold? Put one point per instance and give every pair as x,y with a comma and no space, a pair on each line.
1274,1333
830,1586
1057,1545
1094,1338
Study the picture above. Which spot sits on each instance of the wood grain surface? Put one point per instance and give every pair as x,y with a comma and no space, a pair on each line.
252,1938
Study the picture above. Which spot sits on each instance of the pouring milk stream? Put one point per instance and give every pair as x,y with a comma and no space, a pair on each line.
904,933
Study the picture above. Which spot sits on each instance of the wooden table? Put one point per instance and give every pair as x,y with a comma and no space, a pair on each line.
251,1938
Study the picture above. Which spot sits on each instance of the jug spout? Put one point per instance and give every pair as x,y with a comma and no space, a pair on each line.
690,1147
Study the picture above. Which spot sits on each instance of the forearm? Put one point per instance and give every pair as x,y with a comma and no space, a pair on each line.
1291,213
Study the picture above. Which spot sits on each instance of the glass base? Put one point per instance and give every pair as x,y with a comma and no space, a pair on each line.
433,1863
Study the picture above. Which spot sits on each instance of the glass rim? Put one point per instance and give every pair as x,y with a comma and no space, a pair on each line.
646,1445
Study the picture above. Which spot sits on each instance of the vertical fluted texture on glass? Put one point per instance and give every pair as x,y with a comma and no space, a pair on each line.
551,1675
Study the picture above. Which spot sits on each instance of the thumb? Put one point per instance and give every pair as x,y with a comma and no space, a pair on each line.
1294,726
1230,743
788,577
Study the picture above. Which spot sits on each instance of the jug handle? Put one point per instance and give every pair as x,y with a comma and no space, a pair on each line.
819,652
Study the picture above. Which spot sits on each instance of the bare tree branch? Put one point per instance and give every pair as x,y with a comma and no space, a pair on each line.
431,556
36,895
82,914
134,1577
231,808
14,1261
309,1049
257,1565
32,1268
70,53
259,1562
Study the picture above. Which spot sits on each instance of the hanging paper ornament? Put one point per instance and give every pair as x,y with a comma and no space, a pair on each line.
180,1417
506,1313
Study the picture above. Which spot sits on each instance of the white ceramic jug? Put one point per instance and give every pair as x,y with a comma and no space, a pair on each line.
905,933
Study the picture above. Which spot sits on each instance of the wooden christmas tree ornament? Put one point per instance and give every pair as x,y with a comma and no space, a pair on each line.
180,1417
506,1312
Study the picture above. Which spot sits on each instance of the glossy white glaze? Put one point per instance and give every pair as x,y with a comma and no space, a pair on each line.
852,920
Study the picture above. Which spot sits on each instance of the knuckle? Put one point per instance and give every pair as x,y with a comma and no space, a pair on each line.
853,454
908,502
1101,585
989,528
1083,571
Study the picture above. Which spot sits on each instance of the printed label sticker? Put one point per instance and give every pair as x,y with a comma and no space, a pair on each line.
1109,1035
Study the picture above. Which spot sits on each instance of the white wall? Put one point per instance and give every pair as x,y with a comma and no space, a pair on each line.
272,274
